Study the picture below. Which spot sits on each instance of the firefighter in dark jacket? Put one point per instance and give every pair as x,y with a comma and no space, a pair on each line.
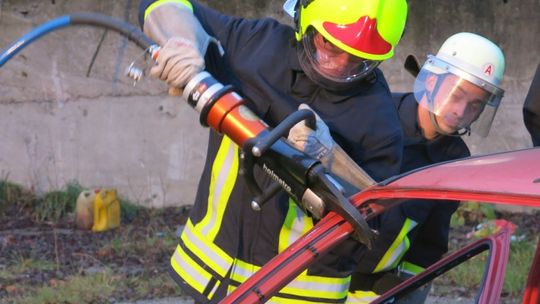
456,92
329,62
531,108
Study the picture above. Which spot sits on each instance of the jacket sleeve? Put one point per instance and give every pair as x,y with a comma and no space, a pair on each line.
146,6
381,152
240,38
531,109
385,158
234,33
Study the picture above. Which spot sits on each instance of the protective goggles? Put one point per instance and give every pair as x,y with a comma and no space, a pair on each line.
333,63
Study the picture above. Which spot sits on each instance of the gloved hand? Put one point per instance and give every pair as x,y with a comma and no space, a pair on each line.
184,43
320,145
177,62
315,143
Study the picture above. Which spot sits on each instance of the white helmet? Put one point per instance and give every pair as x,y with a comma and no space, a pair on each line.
476,66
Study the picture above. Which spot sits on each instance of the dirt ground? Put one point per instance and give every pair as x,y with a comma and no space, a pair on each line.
140,249
73,252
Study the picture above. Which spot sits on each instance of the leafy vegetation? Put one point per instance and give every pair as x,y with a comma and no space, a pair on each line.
13,196
472,213
57,203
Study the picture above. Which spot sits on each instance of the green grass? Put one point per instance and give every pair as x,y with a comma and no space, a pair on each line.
153,243
128,210
469,274
152,286
521,255
98,288
57,203
21,265
13,195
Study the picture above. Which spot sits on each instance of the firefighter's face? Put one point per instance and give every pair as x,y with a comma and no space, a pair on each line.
456,102
332,60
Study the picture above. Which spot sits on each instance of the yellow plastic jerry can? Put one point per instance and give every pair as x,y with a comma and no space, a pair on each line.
106,210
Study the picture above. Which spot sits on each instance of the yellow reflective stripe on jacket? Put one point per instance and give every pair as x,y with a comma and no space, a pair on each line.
210,253
303,286
190,271
222,180
397,249
410,268
279,300
198,238
295,225
152,6
361,297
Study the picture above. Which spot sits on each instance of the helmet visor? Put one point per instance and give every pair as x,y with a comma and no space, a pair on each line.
333,63
459,100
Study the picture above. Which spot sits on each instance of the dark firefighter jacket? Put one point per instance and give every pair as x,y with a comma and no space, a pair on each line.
531,108
413,235
225,241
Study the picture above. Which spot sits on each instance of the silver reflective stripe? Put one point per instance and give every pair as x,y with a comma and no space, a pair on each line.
398,248
307,286
398,251
213,291
242,273
210,254
221,180
298,283
189,270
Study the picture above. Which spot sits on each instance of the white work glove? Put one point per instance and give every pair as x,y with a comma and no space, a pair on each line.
177,62
315,143
320,145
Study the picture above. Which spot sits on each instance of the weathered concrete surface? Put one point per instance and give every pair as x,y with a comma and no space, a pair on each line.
513,25
57,124
64,118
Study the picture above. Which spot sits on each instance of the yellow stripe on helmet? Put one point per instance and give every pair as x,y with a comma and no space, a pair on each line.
154,5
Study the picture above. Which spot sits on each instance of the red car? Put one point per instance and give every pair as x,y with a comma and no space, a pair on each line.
511,178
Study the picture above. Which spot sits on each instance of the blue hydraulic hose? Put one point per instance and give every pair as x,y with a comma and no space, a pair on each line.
31,36
83,18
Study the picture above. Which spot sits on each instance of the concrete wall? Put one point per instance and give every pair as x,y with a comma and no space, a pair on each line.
513,25
65,117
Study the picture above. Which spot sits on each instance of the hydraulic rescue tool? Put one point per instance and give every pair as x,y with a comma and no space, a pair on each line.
302,177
